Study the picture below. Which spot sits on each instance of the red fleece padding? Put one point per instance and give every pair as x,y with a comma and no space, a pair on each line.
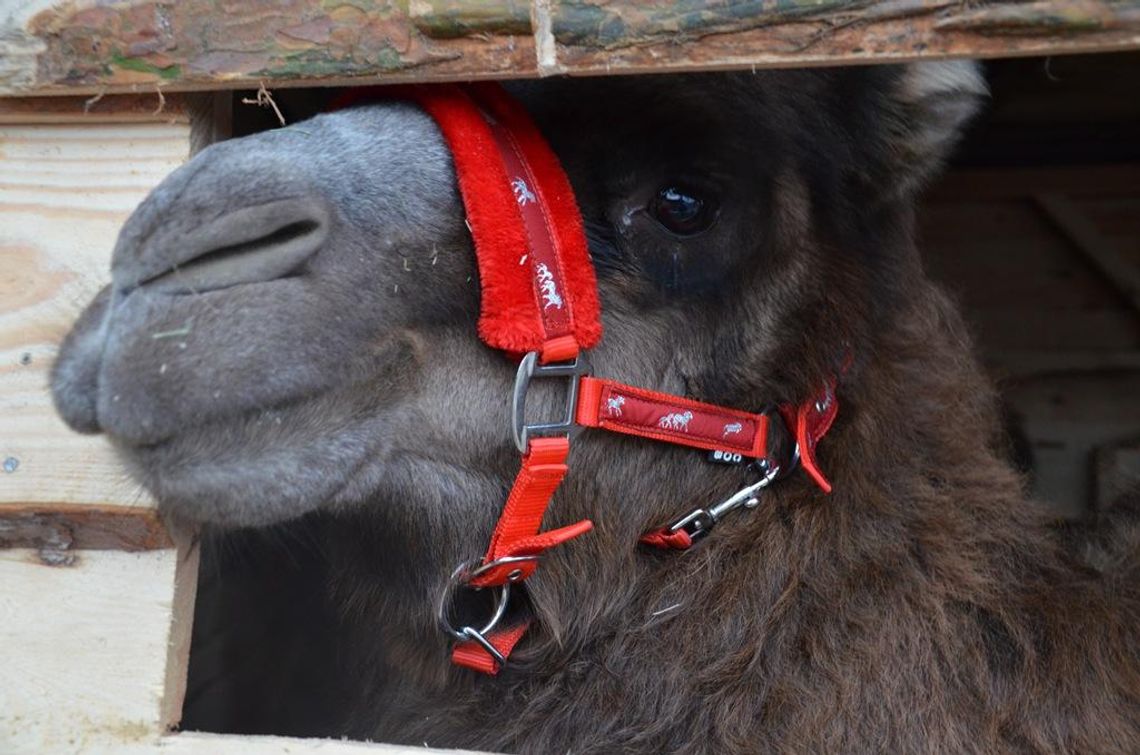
557,198
509,317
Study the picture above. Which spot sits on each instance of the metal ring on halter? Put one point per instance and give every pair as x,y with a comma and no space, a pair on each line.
462,575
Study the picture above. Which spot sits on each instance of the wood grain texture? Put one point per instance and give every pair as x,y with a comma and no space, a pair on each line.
124,108
196,743
65,189
135,45
632,36
1118,270
71,526
85,648
72,46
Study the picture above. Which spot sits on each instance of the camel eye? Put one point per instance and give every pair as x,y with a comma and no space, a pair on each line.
681,212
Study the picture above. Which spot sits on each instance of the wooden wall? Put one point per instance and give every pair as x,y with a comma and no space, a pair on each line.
96,596
1037,231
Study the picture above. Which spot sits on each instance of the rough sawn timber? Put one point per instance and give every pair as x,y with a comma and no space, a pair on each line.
71,171
93,645
79,46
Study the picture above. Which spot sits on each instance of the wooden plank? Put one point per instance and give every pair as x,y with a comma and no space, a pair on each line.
1066,417
1116,471
1087,239
87,645
181,622
65,188
632,35
122,108
60,46
196,743
51,46
1012,364
66,526
985,184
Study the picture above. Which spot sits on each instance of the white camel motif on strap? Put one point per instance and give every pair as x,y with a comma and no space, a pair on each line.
546,284
676,421
614,405
523,194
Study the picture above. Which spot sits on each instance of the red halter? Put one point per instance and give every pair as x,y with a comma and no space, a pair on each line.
539,298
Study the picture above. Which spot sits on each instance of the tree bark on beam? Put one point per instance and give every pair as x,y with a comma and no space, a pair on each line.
124,46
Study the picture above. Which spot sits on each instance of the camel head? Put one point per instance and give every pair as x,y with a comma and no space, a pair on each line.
290,324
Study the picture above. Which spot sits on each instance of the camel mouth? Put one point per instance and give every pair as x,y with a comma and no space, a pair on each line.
236,473
276,255
252,244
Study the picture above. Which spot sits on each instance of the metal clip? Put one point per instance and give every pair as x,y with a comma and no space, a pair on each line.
781,456
700,522
530,368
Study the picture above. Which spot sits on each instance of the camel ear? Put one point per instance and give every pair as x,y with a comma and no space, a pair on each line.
933,101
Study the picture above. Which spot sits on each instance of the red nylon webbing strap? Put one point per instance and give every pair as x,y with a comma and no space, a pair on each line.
810,421
516,534
474,656
538,290
547,276
666,540
648,414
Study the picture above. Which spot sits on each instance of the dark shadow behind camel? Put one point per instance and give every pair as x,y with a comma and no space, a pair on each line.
290,328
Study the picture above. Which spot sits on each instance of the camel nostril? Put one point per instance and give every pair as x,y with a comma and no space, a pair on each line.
250,245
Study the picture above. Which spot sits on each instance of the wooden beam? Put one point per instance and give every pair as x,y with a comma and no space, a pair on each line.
122,108
57,529
1020,365
199,743
60,46
1117,269
633,36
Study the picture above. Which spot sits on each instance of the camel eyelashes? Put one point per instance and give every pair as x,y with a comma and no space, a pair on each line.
683,211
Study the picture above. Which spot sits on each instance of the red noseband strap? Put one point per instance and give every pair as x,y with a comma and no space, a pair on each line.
661,416
539,295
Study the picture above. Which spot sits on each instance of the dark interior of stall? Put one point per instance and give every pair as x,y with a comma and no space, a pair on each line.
1035,228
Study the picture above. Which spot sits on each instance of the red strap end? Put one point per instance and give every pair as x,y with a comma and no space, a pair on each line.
474,656
663,538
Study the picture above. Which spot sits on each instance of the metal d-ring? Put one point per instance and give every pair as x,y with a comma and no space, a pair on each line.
458,578
463,575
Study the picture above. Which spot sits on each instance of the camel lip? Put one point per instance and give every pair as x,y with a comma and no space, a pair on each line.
254,243
201,491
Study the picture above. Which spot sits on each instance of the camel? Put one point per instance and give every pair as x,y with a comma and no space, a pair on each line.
750,232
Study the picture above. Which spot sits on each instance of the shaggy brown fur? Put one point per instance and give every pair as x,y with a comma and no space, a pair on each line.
924,606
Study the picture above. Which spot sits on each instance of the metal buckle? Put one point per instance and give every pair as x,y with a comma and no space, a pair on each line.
461,577
530,368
